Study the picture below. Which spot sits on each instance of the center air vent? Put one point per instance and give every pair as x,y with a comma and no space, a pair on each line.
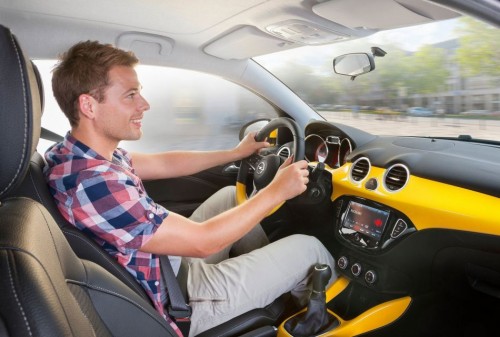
284,152
360,169
396,177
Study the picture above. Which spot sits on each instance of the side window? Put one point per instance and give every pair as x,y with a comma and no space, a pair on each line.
189,110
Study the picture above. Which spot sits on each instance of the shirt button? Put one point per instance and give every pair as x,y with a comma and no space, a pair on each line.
150,216
157,283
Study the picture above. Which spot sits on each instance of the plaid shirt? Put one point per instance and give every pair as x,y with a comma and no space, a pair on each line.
107,201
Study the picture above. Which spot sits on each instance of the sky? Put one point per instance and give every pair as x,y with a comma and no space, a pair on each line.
411,38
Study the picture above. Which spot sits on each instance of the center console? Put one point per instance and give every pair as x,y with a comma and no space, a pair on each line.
369,226
367,229
370,292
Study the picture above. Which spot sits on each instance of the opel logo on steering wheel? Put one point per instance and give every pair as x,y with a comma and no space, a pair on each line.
261,167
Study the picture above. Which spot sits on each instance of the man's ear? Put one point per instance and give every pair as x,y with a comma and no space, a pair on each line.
86,104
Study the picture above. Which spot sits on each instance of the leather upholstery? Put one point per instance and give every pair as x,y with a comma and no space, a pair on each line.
33,186
45,289
18,95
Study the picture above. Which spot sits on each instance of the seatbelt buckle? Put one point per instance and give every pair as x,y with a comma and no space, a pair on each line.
182,315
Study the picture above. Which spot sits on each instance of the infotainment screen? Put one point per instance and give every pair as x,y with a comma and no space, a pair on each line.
366,220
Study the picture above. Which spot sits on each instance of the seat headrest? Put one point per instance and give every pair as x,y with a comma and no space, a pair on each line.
20,112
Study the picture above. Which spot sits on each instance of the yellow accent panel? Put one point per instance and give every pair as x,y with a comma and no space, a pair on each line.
336,288
241,196
371,319
241,193
428,204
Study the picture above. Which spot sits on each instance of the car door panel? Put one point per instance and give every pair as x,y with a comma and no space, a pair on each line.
184,194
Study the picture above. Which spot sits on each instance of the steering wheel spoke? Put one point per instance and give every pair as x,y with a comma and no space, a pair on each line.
253,160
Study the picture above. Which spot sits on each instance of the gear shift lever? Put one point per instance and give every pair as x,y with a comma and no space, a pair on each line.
316,319
321,275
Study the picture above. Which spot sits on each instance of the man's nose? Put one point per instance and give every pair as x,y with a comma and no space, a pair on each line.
144,105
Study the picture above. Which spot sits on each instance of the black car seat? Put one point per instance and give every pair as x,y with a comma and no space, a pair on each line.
89,282
45,289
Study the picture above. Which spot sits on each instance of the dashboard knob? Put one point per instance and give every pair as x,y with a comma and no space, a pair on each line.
356,269
370,277
343,262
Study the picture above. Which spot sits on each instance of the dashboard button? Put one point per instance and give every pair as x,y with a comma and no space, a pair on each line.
343,262
371,184
370,277
356,269
399,228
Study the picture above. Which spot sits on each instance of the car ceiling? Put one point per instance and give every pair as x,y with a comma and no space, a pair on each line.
166,31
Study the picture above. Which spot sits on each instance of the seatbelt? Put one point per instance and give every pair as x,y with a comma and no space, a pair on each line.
176,306
49,135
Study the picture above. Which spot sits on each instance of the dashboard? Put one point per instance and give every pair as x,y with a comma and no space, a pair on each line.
407,216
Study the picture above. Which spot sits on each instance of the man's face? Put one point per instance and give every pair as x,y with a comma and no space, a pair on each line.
120,115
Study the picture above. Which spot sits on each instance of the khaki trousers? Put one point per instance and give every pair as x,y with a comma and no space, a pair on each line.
249,274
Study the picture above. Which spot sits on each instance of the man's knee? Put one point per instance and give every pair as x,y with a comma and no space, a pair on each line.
312,247
305,241
229,191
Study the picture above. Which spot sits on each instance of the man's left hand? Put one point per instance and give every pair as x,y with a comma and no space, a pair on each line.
249,146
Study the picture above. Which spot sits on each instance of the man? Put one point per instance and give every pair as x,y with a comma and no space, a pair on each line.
98,188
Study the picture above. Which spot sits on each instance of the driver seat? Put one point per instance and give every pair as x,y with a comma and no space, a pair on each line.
45,288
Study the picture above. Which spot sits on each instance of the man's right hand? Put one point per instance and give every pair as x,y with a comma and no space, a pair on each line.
290,180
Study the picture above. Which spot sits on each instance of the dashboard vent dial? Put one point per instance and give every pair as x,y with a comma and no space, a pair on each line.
360,169
396,177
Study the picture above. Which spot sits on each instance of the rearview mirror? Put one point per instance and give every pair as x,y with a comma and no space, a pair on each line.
354,64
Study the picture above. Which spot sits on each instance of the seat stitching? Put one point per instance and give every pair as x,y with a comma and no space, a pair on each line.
102,254
41,209
110,292
34,185
84,314
18,302
25,118
17,249
81,310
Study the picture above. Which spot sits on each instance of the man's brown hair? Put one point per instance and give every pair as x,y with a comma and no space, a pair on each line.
84,69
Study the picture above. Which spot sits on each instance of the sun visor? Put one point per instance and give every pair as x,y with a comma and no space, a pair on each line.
246,42
358,14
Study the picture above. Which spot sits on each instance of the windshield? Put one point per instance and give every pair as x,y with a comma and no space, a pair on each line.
440,80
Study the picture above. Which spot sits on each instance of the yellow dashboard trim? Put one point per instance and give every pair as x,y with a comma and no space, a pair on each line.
427,203
336,288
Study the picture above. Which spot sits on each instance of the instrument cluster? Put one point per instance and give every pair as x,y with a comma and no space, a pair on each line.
331,150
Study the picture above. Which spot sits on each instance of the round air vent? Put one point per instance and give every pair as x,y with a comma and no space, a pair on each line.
284,152
360,169
396,177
